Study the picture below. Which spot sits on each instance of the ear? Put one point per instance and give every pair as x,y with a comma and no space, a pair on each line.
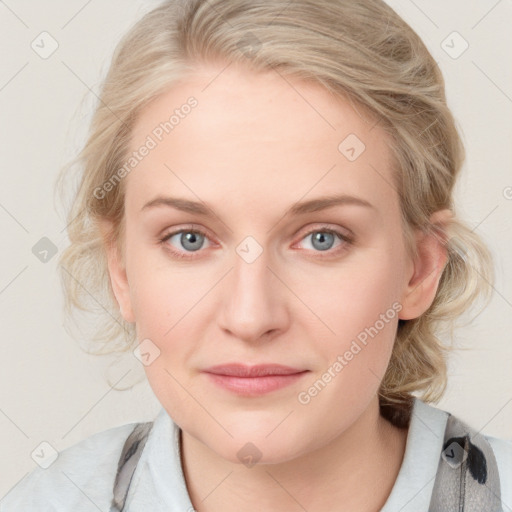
117,271
428,267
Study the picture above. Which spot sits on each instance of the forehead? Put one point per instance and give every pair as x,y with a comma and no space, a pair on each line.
252,135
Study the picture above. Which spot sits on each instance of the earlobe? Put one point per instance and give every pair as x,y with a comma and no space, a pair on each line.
117,272
428,267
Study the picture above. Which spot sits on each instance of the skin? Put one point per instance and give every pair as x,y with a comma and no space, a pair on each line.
255,145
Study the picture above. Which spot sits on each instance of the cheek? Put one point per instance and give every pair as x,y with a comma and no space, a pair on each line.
166,308
360,304
160,293
353,296
364,318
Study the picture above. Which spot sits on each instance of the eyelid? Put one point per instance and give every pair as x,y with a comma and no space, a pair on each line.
167,233
345,233
346,240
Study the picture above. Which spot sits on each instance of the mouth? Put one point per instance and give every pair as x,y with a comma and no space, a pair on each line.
253,380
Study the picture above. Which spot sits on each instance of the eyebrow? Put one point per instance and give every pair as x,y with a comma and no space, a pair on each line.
300,208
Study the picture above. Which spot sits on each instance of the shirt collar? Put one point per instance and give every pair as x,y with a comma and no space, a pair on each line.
415,481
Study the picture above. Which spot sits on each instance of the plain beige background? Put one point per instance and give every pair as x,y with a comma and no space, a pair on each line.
50,391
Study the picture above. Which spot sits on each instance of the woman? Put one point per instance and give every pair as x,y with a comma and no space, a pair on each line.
267,199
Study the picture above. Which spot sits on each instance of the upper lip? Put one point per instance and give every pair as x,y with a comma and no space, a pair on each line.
260,370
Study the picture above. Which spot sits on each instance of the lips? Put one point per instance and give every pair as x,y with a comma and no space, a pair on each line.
262,370
253,380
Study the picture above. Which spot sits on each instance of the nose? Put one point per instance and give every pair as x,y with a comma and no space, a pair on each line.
254,306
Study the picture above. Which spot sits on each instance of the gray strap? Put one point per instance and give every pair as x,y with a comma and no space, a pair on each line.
130,456
467,477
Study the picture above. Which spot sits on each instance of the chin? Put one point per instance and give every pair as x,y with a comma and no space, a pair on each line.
251,454
248,448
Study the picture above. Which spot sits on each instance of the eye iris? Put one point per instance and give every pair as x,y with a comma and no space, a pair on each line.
192,238
321,237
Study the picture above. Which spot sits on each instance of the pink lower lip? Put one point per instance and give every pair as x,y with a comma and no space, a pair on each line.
254,385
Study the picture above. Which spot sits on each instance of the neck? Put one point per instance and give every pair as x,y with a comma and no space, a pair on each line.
336,477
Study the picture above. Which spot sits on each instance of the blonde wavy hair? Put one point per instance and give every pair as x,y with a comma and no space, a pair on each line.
361,50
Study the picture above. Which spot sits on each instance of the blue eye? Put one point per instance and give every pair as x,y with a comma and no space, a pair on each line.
189,239
323,239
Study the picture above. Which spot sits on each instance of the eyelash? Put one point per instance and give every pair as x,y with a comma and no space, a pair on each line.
191,255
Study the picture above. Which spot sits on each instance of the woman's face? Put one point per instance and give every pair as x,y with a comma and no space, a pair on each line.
262,228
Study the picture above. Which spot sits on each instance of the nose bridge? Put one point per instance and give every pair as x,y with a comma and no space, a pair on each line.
251,273
253,305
